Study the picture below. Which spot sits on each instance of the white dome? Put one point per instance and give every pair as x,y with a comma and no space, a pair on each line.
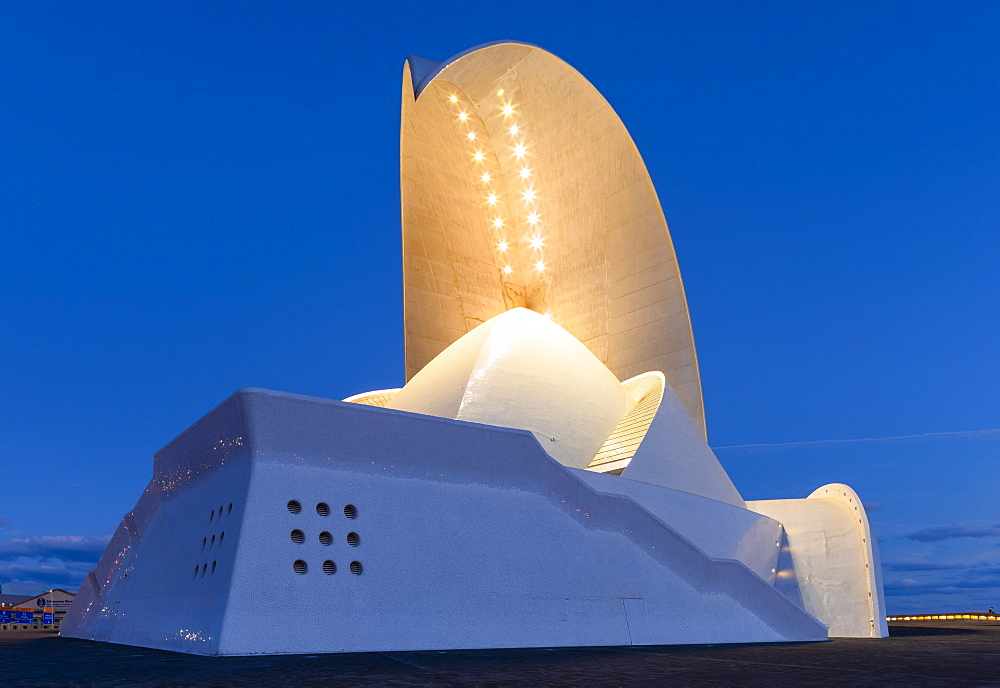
521,370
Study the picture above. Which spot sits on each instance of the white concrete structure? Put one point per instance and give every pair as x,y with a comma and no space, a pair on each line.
514,492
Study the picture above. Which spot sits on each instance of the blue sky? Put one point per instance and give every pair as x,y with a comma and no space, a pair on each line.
198,197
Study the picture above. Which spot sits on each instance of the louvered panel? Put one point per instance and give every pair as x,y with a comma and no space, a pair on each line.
626,438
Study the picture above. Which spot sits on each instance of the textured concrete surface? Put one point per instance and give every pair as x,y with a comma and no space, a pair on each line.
939,653
520,186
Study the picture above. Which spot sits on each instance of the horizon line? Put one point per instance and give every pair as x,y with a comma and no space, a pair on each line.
963,433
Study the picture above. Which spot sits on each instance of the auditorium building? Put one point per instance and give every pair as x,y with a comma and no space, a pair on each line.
541,478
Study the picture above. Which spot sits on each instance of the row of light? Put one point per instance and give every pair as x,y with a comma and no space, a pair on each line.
926,617
529,195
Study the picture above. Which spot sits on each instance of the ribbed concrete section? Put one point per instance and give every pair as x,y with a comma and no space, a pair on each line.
622,444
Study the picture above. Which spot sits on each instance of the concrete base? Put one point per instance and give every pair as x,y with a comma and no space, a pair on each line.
462,536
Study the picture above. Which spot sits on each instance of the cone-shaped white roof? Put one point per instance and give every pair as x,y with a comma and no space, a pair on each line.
522,370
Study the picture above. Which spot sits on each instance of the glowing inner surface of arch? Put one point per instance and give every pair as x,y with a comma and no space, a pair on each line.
522,188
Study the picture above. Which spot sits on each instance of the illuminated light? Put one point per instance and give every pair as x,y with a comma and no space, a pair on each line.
500,92
507,269
548,314
536,242
486,177
453,99
479,156
532,218
520,150
498,223
502,246
529,195
508,110
514,130
525,173
470,136
463,116
492,199
540,265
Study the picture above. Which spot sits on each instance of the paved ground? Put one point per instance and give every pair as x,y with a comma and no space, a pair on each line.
936,653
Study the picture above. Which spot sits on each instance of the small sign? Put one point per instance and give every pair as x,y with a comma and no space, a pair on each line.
48,618
24,617
5,616
51,603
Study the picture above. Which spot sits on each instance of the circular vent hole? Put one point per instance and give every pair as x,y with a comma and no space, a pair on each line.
213,567
294,507
351,511
299,567
211,543
229,509
204,567
323,509
329,568
211,516
356,568
325,538
204,541
298,537
353,540
196,567
222,536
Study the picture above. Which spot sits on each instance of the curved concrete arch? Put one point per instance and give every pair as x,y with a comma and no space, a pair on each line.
580,235
835,559
657,443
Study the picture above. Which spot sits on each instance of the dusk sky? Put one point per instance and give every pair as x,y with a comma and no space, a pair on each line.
199,197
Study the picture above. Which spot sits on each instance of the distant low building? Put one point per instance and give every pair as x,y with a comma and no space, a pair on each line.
34,612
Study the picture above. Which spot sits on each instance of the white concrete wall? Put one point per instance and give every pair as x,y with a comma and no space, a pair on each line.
612,278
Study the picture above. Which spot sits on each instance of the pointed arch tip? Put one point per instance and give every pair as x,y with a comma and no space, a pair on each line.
420,68
423,70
